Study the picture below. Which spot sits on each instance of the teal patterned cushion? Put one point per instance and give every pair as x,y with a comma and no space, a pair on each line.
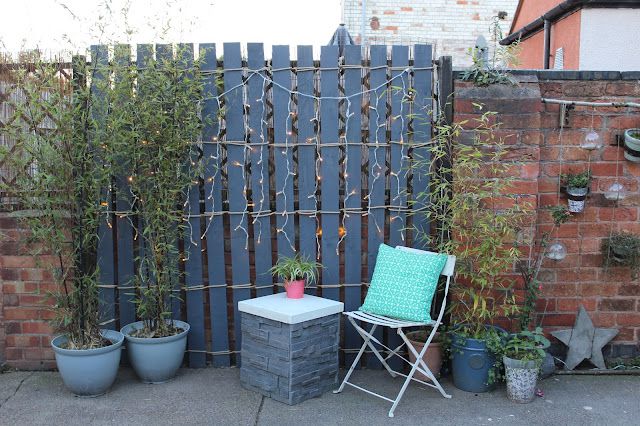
403,284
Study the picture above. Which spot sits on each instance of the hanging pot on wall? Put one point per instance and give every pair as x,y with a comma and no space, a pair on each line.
576,198
632,145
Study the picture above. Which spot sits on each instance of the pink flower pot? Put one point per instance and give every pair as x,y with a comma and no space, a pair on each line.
295,289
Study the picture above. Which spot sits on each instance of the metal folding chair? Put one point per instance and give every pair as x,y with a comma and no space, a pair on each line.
398,325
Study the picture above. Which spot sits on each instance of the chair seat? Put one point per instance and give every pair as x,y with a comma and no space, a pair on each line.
385,321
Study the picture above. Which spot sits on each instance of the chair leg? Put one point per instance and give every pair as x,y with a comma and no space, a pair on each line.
368,336
356,360
420,361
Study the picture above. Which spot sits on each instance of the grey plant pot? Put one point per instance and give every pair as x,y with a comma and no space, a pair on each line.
89,372
632,144
522,377
156,360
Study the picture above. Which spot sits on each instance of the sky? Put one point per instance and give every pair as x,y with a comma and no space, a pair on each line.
54,25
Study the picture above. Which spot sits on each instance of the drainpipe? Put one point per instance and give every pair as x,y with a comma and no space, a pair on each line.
547,43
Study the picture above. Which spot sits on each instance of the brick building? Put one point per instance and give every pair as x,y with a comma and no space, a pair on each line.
451,26
577,34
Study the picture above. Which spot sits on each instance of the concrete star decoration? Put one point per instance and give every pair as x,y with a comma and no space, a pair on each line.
584,341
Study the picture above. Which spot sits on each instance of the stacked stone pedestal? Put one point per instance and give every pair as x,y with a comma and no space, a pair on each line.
290,362
294,359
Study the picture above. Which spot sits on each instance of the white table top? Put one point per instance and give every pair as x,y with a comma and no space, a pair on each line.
278,307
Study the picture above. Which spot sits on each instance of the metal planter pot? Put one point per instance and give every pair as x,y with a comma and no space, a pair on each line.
576,199
471,362
89,372
632,145
522,377
156,360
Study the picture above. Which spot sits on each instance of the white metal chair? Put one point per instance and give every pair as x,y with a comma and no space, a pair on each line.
398,325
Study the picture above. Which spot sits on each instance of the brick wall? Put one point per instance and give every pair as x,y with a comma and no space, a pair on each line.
24,330
452,26
611,297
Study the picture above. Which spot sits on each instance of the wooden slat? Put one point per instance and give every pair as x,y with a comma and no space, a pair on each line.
193,246
106,267
329,172
239,224
306,155
164,53
125,230
259,169
353,195
399,166
422,133
283,156
212,158
377,155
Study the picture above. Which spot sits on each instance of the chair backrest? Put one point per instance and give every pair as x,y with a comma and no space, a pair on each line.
448,267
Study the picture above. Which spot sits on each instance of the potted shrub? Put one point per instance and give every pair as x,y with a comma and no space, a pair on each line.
524,353
472,225
154,132
65,206
632,145
622,249
432,357
577,189
297,272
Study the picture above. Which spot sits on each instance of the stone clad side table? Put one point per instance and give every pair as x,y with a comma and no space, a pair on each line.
290,346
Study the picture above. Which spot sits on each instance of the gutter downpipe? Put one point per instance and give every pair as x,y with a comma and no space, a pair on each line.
547,43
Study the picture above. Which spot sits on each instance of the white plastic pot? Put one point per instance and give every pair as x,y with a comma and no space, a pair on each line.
576,199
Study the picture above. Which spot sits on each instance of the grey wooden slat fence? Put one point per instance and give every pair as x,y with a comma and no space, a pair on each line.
298,156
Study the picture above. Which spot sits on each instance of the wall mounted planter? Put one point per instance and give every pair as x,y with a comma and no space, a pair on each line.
576,198
89,372
632,145
156,360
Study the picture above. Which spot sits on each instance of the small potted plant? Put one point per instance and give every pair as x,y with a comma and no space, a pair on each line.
632,145
297,272
432,357
577,189
522,357
622,249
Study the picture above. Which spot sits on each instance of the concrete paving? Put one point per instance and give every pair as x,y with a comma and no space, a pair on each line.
215,397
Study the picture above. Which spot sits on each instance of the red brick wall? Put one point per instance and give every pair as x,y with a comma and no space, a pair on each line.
612,297
24,331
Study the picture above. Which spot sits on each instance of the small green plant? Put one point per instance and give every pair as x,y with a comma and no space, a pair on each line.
622,249
577,180
296,268
486,73
526,345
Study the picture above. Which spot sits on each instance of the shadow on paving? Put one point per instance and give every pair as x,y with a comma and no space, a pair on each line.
215,396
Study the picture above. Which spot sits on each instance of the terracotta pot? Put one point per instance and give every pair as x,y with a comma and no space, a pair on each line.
295,289
433,356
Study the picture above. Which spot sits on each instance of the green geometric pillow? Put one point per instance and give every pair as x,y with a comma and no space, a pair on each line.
403,284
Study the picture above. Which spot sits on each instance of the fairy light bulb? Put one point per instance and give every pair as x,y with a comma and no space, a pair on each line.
557,251
591,141
615,192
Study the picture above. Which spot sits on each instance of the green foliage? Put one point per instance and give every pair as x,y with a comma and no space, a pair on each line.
152,134
495,72
526,345
63,188
529,267
468,182
577,180
296,268
622,249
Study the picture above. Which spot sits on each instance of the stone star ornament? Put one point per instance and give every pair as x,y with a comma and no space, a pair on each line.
584,341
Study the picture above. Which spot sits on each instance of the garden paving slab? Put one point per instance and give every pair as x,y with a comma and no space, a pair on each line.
215,396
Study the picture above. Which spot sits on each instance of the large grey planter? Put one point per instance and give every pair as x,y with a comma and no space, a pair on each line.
522,377
631,146
89,372
156,360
